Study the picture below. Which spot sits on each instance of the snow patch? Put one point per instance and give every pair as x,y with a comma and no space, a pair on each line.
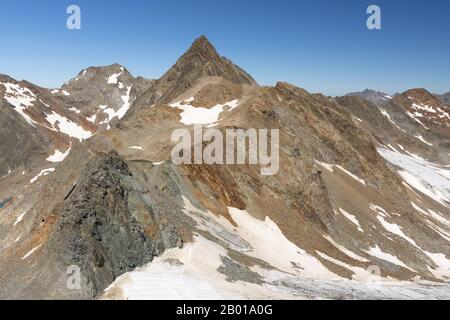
352,175
59,156
41,174
420,137
122,110
387,115
92,118
352,219
136,148
395,229
73,109
327,166
113,79
19,218
66,126
193,115
31,252
21,99
344,250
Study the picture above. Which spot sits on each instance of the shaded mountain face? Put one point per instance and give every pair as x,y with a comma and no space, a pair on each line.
375,97
425,109
446,98
362,188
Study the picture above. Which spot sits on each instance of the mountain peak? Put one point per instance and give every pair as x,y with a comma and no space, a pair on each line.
376,97
419,94
199,61
201,49
202,41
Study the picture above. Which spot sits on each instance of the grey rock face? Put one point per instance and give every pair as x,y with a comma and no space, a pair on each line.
446,98
97,230
13,133
237,272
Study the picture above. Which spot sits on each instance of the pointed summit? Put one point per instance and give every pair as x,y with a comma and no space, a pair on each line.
201,51
199,61
202,42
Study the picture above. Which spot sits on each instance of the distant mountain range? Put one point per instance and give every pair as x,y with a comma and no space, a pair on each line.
359,209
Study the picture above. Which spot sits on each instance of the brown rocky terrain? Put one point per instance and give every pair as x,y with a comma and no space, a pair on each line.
342,213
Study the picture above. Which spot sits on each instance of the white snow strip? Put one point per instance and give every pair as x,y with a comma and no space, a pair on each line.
414,117
327,166
359,274
384,113
391,147
376,252
352,175
136,148
420,137
395,229
45,104
432,214
41,174
31,252
352,219
20,218
344,250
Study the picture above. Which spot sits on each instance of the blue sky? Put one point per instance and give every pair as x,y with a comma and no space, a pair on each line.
322,45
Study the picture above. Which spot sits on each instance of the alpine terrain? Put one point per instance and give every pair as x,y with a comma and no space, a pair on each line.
92,206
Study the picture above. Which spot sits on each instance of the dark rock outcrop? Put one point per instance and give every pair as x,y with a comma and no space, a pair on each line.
98,231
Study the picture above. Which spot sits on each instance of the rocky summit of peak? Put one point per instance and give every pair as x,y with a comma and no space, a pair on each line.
373,96
425,108
201,60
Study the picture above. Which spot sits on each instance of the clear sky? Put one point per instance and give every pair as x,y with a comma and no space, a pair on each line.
321,45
